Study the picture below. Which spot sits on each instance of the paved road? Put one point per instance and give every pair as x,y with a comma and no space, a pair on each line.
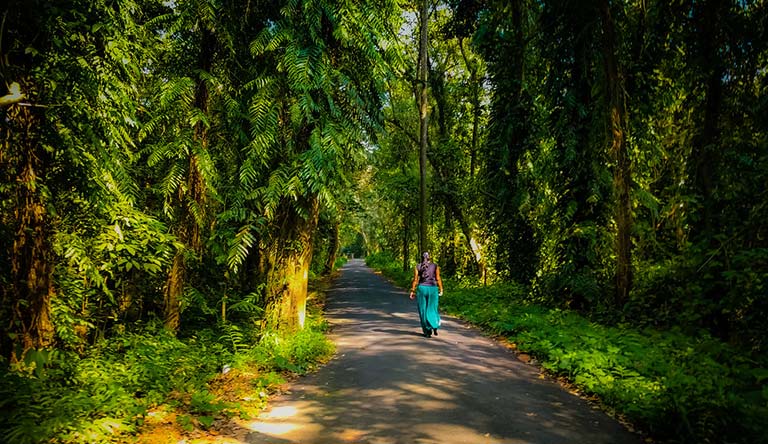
390,385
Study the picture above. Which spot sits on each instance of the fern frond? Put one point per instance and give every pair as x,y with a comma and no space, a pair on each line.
206,168
173,180
177,92
248,174
233,336
240,246
269,40
249,304
193,296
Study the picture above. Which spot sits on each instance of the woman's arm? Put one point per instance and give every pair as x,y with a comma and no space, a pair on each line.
414,282
439,281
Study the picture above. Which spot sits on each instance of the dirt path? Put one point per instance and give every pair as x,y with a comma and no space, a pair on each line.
388,384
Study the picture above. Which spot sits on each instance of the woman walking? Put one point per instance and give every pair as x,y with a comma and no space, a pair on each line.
427,276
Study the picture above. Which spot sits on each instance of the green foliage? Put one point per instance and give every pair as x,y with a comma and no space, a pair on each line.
391,268
103,395
311,109
100,270
233,337
692,389
340,261
298,353
696,167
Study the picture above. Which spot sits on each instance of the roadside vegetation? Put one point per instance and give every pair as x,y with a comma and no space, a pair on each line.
150,386
673,385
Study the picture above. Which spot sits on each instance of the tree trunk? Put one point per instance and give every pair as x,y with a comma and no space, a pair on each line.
32,266
476,109
174,289
288,269
423,125
477,257
705,150
189,222
621,173
406,242
333,249
448,250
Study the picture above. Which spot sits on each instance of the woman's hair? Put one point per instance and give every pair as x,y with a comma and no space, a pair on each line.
424,260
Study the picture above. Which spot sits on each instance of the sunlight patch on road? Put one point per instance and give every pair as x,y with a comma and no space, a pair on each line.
351,435
268,427
281,412
272,428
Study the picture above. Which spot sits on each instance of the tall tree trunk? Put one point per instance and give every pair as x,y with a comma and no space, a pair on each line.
174,289
290,256
423,125
189,222
477,257
406,241
448,250
705,149
516,251
333,249
32,267
621,173
577,189
476,110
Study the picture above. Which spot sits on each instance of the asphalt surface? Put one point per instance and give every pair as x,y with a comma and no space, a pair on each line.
390,385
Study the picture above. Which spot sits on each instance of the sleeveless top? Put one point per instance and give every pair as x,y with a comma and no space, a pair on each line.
428,274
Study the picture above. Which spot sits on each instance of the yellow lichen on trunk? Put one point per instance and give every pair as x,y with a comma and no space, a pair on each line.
288,276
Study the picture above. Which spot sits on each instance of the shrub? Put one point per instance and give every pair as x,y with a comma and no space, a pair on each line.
101,396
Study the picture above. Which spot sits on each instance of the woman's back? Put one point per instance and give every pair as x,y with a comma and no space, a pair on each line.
428,274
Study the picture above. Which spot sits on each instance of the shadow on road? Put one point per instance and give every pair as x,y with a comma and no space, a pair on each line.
389,384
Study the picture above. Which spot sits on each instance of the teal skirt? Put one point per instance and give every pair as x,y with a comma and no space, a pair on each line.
427,299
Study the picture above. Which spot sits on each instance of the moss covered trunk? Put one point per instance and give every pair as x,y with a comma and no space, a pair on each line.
290,255
192,199
333,249
31,259
619,154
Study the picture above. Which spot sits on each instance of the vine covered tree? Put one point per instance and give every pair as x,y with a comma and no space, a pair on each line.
68,140
310,113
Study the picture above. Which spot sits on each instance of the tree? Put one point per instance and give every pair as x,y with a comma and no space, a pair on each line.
621,169
423,74
193,93
317,101
67,142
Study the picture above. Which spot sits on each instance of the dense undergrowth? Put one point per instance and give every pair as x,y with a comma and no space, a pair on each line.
674,386
107,393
